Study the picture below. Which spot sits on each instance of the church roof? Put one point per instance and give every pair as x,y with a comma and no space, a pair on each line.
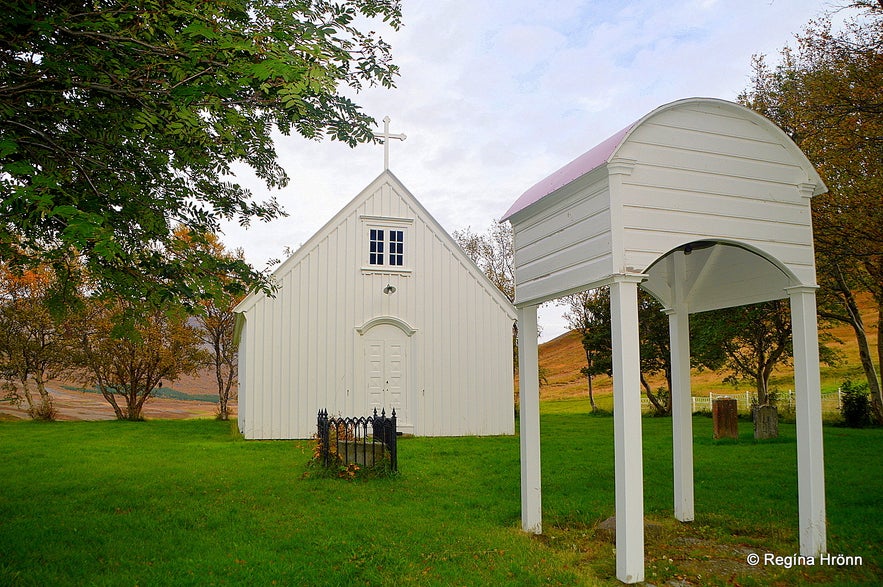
585,163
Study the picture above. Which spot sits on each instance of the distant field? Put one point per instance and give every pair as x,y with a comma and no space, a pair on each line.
162,392
72,403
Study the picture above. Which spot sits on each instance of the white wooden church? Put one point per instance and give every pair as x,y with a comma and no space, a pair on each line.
379,309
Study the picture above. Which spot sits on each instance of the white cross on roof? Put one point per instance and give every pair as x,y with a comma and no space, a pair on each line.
385,136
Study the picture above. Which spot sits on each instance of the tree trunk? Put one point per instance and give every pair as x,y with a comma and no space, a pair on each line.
589,377
879,396
224,400
136,406
864,349
760,391
660,408
761,386
109,397
854,319
133,412
223,390
46,410
26,391
767,373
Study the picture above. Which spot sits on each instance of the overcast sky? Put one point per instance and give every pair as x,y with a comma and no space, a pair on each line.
496,94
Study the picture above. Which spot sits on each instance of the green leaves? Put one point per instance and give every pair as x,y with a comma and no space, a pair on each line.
7,148
18,168
119,120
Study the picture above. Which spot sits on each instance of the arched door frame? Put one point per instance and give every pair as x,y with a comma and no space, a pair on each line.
405,418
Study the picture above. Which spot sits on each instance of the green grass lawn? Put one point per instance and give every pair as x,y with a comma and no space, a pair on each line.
189,503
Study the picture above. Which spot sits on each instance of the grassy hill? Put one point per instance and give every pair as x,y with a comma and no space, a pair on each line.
562,358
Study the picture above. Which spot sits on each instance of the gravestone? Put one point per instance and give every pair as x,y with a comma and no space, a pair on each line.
725,418
766,422
361,453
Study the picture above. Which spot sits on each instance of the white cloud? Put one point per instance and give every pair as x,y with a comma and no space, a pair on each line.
494,95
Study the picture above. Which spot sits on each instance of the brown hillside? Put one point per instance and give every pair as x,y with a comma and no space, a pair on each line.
562,358
560,362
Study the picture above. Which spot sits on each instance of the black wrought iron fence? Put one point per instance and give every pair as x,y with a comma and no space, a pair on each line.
349,440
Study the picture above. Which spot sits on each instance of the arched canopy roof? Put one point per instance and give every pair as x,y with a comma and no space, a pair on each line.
602,153
698,170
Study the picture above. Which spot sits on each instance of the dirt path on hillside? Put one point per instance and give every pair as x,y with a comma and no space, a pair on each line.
80,405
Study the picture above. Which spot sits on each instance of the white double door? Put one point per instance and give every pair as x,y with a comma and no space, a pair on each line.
386,370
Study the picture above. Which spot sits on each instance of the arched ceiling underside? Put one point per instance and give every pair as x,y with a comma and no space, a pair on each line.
709,275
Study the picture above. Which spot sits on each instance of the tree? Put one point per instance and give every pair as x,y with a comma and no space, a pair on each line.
216,326
215,317
120,120
494,253
161,345
655,342
588,313
34,342
838,302
827,94
749,341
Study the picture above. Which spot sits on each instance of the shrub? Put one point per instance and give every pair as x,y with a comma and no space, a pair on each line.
855,406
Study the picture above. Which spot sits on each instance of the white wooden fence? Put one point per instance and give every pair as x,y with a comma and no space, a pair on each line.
831,402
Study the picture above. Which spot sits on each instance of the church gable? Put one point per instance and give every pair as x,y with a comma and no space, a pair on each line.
383,230
380,308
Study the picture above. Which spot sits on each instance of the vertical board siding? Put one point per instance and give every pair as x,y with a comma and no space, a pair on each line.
302,352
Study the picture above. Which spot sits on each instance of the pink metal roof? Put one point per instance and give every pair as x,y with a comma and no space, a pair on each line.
588,161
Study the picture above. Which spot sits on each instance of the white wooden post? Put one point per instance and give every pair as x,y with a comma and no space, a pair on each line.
627,428
807,387
681,412
529,428
681,393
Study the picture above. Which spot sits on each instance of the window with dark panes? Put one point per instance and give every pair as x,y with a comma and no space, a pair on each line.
376,247
397,247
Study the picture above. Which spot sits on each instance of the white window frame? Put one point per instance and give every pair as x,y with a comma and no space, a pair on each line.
387,224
